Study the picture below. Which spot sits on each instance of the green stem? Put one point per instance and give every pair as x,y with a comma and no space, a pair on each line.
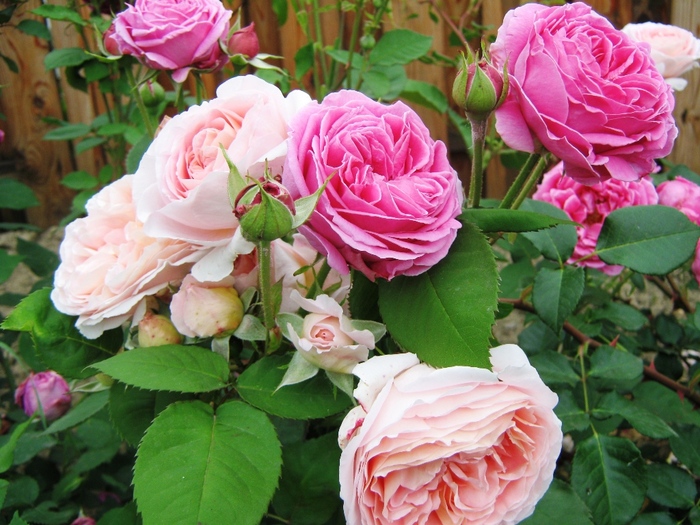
582,352
517,185
179,97
477,177
266,297
317,286
532,179
354,37
318,49
139,103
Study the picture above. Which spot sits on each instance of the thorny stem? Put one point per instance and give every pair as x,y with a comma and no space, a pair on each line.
649,372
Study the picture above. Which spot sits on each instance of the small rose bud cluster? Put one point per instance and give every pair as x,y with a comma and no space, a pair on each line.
46,392
479,88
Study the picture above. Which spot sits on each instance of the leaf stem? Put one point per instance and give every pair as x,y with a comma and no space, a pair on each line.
139,103
476,182
532,179
515,188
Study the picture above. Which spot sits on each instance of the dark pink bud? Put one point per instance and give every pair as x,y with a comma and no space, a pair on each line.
45,391
110,42
244,42
83,520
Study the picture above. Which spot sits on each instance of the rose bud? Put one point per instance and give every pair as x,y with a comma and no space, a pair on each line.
47,392
206,309
265,211
244,42
152,93
110,43
479,88
157,330
83,520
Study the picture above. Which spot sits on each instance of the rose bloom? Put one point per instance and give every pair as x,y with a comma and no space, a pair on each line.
584,91
47,392
83,520
389,208
328,339
674,50
206,309
175,35
683,195
109,265
589,206
457,445
181,181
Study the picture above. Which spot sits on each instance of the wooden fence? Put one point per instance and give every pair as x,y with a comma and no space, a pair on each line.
33,94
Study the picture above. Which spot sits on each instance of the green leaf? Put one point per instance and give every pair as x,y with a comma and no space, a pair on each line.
89,143
648,239
68,132
4,485
16,520
197,466
623,315
23,491
316,398
15,195
65,57
80,180
375,83
59,12
615,367
132,409
554,368
686,447
133,158
280,9
608,475
303,60
41,261
88,407
34,28
58,343
556,294
30,444
7,451
670,486
654,518
555,243
177,368
666,404
494,220
641,419
572,416
425,94
126,515
445,314
49,513
399,46
8,263
560,506
113,128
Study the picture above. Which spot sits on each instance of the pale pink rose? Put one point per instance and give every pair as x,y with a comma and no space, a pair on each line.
206,309
584,91
391,204
328,338
174,35
589,206
109,265
674,50
457,445
46,391
683,195
181,182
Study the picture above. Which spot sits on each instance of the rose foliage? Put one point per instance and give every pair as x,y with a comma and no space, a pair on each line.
288,309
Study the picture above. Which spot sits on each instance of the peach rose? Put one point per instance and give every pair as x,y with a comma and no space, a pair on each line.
455,445
181,182
109,265
674,50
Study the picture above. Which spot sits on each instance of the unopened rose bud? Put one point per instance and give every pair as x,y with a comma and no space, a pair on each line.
206,309
83,520
157,330
110,43
47,392
244,42
152,93
479,88
265,211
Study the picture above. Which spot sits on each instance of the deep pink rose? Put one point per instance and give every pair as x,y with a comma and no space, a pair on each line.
584,91
674,50
590,205
695,267
181,183
390,207
83,520
456,445
174,35
45,391
109,265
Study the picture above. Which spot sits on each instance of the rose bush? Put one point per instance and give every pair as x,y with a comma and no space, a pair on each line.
188,37
674,50
390,205
182,179
583,91
47,392
457,445
589,206
109,265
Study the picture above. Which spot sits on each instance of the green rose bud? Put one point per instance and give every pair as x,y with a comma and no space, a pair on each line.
152,93
265,211
479,87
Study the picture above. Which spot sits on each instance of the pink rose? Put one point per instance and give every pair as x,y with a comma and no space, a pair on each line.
390,206
674,50
172,35
47,392
206,309
109,265
584,91
589,206
181,182
328,338
83,520
457,445
695,267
